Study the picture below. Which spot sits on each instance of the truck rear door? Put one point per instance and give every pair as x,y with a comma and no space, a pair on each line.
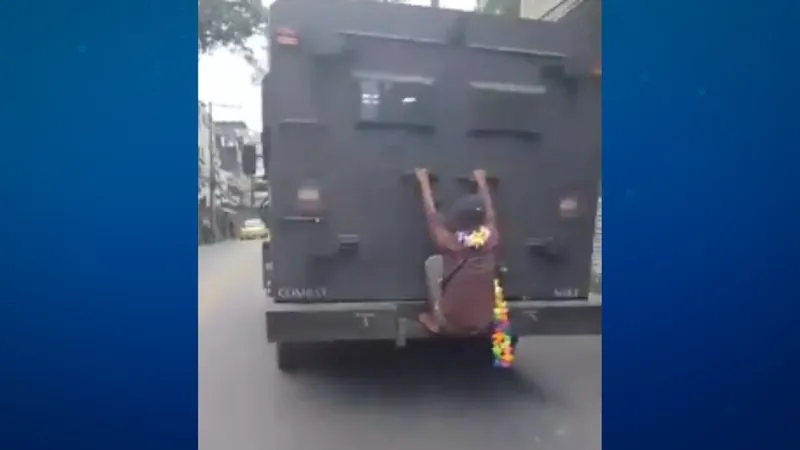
354,108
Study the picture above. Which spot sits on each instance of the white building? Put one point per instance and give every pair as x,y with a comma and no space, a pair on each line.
231,136
550,10
205,145
209,163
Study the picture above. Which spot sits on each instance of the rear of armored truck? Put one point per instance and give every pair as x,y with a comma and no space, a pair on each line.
358,95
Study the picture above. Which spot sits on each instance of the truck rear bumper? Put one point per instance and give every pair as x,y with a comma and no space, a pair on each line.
398,321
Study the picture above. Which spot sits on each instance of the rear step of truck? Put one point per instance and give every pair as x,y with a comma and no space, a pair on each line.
398,321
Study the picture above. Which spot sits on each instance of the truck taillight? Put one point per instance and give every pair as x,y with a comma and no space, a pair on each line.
309,200
568,206
286,36
597,68
308,194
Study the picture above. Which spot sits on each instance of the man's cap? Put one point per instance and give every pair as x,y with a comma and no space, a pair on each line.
469,204
469,207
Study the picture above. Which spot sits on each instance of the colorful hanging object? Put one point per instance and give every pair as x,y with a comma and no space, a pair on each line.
475,239
502,346
502,342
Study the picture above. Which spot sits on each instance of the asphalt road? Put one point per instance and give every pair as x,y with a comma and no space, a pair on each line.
425,397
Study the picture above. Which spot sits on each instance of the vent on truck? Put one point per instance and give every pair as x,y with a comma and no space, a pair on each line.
395,101
506,109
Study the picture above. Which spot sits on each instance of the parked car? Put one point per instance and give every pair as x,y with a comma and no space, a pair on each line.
253,229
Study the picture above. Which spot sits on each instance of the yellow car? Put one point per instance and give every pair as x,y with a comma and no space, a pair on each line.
253,229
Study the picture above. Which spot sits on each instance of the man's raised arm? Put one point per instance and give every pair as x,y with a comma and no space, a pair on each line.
439,234
483,191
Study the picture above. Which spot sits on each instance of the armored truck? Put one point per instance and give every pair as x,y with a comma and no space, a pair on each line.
361,93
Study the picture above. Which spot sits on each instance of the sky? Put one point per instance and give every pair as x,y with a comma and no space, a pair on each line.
225,79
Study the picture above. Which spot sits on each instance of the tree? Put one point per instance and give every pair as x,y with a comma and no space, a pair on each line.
230,24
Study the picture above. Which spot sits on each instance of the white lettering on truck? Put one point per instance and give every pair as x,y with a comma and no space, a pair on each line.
566,292
302,293
365,317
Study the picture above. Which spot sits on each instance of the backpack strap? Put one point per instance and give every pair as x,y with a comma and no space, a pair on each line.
449,277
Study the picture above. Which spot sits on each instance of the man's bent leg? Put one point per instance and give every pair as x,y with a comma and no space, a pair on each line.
434,271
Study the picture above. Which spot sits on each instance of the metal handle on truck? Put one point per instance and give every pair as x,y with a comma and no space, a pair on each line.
304,219
469,181
407,176
334,248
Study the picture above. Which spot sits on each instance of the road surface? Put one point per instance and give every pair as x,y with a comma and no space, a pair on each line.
374,397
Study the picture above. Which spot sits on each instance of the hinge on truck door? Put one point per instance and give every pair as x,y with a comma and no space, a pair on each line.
348,242
344,245
546,248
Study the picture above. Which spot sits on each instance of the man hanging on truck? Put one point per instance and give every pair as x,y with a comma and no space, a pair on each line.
460,279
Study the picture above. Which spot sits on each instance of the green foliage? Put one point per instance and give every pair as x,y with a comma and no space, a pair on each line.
229,24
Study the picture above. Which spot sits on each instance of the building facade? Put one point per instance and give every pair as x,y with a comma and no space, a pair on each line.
231,137
216,199
204,155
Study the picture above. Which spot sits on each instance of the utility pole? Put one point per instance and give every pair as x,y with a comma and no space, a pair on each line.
252,191
212,184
